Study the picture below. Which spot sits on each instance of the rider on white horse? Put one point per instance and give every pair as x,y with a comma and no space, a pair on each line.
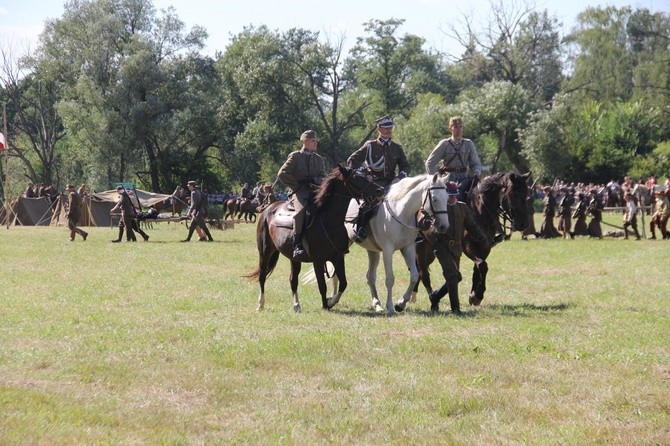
378,158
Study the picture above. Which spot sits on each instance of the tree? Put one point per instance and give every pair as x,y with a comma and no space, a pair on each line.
34,124
498,109
123,91
518,45
396,68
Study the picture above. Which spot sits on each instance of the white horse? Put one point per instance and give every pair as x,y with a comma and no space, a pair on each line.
394,227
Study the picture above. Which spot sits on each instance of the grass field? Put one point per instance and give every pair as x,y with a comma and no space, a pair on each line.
161,343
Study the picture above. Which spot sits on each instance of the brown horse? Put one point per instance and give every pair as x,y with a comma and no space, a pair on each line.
175,203
325,237
499,196
247,209
230,208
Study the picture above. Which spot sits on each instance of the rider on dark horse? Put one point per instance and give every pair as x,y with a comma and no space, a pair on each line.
458,154
379,159
302,172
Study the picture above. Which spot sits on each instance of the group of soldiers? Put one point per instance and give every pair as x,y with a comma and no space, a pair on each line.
568,206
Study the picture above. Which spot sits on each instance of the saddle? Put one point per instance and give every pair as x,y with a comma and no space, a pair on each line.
283,215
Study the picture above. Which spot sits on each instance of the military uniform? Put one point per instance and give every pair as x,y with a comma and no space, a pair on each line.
197,212
73,214
125,205
595,209
448,249
380,159
302,171
456,157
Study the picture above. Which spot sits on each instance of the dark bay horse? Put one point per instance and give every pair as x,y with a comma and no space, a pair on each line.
175,203
501,196
325,237
230,208
247,208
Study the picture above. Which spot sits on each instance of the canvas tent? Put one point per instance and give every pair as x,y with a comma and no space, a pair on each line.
96,207
31,211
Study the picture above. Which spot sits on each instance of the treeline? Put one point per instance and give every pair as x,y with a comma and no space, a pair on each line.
117,91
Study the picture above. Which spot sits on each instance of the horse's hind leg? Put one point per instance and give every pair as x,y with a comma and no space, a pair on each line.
293,279
320,274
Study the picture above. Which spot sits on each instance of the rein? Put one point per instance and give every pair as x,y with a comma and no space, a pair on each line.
421,211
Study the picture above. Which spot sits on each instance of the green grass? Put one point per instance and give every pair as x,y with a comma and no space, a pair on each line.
161,343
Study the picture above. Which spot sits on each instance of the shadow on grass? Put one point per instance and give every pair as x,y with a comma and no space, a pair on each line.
528,309
523,310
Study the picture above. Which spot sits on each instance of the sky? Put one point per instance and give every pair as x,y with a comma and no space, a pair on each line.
21,21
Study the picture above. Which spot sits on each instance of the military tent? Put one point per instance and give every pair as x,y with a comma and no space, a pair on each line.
96,207
31,211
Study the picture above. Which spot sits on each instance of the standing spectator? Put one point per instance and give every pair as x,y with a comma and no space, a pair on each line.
378,158
197,212
73,213
302,172
565,212
30,191
660,217
630,217
579,215
595,209
547,229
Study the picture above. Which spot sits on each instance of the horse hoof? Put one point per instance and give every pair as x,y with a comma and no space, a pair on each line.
378,309
475,301
297,309
399,308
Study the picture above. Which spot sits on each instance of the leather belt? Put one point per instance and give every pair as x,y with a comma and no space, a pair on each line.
457,169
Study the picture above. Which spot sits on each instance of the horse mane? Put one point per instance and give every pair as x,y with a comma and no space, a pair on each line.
326,185
402,187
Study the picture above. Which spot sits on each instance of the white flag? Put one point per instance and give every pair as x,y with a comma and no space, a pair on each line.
2,141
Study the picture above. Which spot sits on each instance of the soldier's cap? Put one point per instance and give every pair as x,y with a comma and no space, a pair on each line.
191,183
69,186
308,134
385,121
452,188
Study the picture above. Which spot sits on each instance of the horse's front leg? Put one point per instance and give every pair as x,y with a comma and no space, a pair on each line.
390,280
371,277
293,279
339,282
479,272
409,254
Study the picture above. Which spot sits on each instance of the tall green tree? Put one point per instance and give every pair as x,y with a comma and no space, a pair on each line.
116,60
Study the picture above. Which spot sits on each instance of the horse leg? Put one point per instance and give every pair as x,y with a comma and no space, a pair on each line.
371,277
478,282
339,282
320,273
409,254
267,259
293,279
390,280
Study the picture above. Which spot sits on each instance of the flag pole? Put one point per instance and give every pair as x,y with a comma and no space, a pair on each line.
6,150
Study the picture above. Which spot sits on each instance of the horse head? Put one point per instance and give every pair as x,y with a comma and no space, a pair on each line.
354,184
435,204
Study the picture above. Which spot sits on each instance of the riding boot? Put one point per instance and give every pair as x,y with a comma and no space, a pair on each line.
118,240
191,230
72,234
205,229
298,249
142,233
435,297
453,298
130,235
